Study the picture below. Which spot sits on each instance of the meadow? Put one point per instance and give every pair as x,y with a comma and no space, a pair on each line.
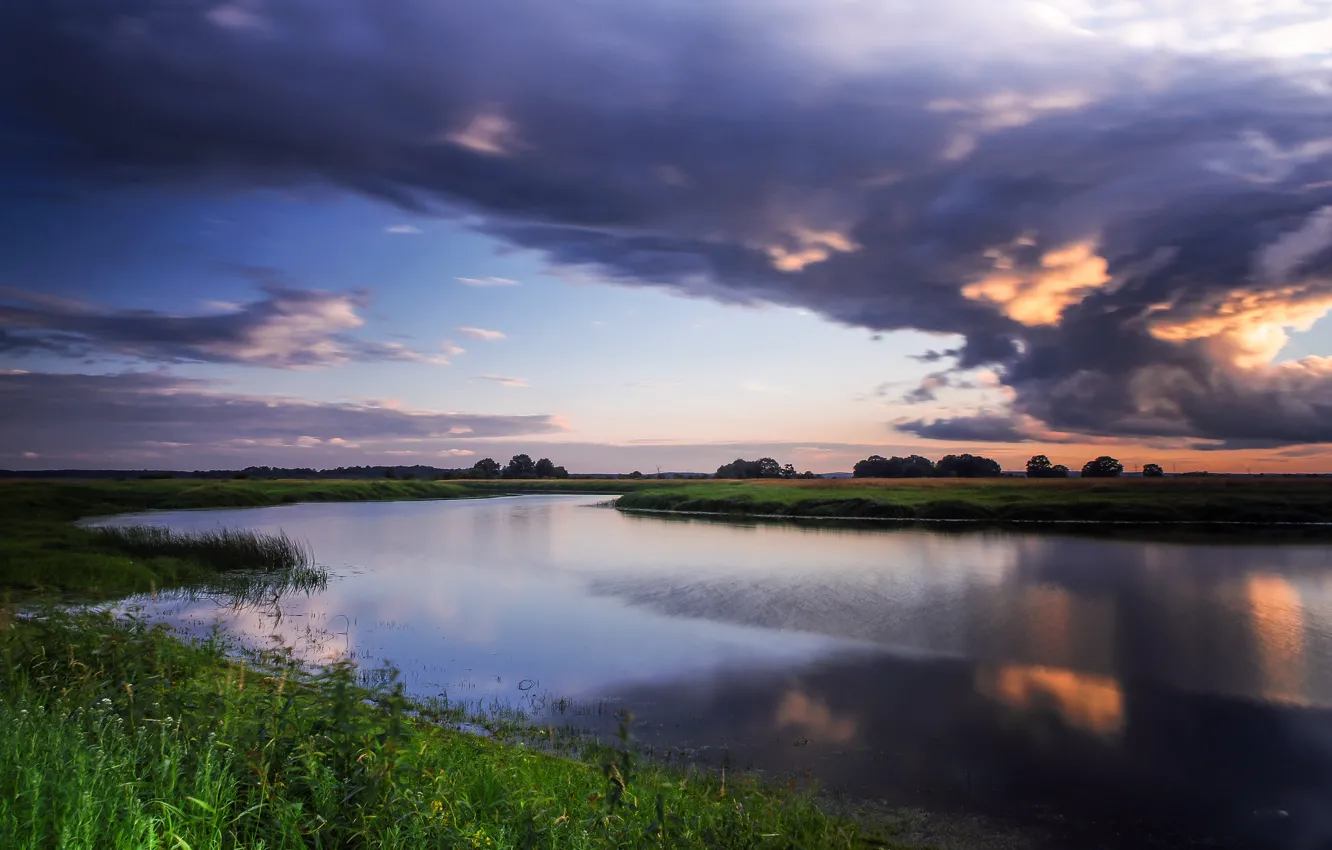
1213,499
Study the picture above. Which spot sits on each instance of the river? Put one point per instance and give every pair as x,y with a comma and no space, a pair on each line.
997,671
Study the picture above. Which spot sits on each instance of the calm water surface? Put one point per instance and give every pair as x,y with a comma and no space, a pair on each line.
1188,684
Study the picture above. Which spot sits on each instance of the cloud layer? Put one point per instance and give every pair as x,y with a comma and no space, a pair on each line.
287,328
144,417
1126,236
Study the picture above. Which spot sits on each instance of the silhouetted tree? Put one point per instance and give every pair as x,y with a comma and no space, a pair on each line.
764,467
788,471
559,472
544,468
1039,467
520,466
488,467
968,466
1059,471
635,474
876,466
1152,470
1103,467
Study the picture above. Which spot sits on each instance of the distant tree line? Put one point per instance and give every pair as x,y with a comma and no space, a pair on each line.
519,466
764,467
1102,467
915,466
976,466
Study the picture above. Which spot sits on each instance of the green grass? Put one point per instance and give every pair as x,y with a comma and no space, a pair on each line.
117,734
1250,500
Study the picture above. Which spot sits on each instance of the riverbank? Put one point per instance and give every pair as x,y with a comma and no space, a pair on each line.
42,550
117,733
114,733
1269,501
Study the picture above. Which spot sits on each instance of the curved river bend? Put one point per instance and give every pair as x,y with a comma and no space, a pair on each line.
996,671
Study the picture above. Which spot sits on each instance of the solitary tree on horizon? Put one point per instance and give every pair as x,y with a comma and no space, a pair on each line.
1103,467
1153,470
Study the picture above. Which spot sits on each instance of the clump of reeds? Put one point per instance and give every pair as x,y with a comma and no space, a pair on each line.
222,549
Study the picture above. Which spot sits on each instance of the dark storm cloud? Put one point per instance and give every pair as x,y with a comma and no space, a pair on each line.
287,329
109,418
935,166
985,428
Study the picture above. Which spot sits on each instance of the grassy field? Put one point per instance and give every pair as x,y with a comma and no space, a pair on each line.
1258,500
114,733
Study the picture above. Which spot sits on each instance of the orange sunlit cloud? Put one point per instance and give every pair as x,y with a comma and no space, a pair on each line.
1248,328
815,246
1040,296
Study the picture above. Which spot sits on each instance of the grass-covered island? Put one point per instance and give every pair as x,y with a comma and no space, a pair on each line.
118,734
1212,499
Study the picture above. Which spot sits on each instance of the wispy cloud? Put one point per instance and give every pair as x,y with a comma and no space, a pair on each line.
505,381
137,414
482,334
403,228
288,328
457,453
452,349
234,16
486,281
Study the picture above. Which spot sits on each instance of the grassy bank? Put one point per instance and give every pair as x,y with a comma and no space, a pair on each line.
42,550
1257,500
115,734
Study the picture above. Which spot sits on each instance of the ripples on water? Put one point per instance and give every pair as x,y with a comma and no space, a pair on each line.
1185,683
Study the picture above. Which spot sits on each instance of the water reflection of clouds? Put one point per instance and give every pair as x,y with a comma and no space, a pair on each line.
1276,614
813,718
1091,703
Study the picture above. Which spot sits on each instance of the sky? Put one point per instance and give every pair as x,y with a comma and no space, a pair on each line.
665,233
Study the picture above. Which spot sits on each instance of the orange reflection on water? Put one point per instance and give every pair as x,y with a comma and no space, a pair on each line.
1276,613
813,717
1087,701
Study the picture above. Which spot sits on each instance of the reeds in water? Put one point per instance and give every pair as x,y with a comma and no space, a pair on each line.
222,549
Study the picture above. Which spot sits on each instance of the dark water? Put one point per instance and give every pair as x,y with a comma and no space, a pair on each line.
1181,690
